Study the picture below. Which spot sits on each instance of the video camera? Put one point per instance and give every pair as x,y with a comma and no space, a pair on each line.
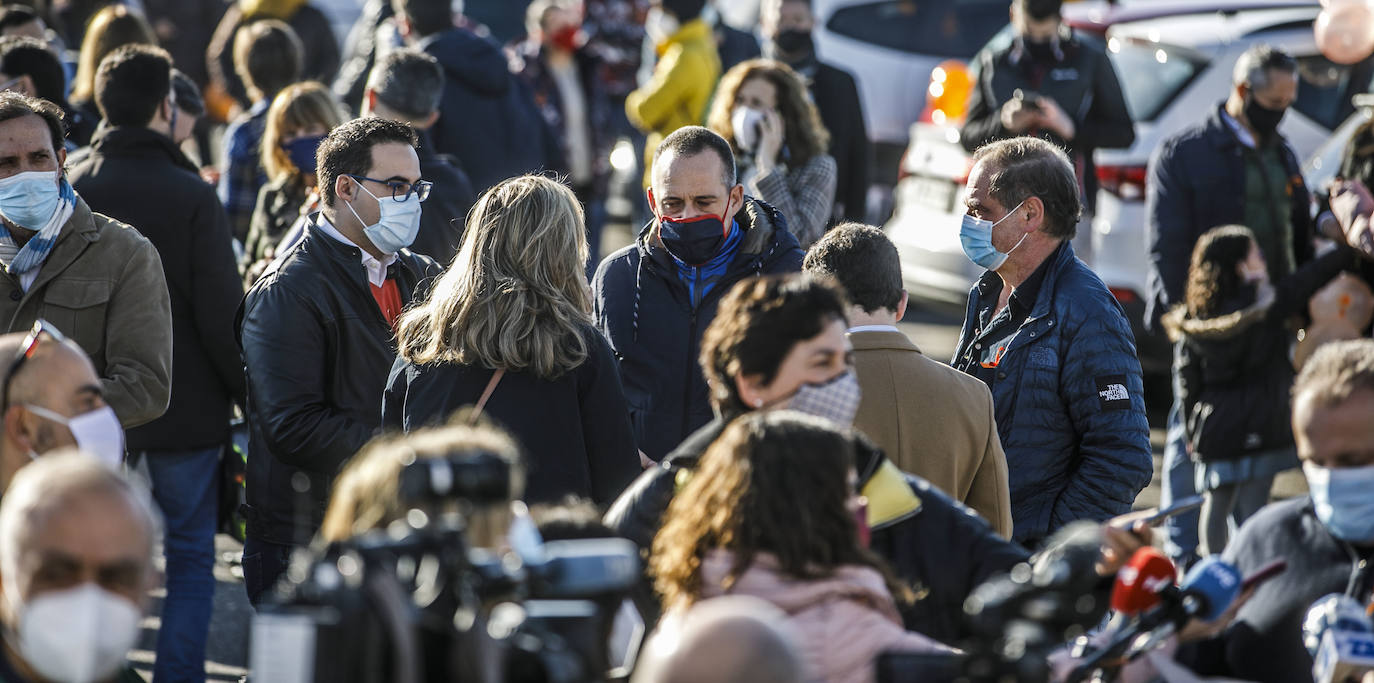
416,603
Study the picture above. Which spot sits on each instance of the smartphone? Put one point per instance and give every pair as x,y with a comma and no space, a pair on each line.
1029,100
1156,516
1263,574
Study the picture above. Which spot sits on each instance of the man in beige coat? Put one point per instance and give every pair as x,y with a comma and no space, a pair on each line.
98,281
929,418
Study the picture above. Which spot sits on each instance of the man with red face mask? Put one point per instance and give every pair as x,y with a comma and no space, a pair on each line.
565,78
654,299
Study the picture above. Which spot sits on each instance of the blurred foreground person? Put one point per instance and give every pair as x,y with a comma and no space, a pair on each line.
76,561
1327,538
737,529
731,639
509,327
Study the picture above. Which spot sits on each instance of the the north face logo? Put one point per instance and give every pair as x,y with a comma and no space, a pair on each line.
1114,392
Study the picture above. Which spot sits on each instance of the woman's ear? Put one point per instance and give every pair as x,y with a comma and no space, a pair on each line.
750,389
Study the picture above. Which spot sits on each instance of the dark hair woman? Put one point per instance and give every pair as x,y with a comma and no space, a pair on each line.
1232,371
737,528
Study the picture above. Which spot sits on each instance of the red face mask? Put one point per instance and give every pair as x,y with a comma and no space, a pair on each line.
568,38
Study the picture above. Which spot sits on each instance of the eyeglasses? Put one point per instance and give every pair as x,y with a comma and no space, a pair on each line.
26,351
401,190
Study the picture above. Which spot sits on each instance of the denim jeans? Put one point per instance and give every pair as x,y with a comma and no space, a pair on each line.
263,564
186,487
1180,531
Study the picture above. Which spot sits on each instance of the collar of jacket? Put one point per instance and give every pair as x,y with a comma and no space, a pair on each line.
873,340
890,498
694,31
349,257
758,220
1045,299
1222,137
133,140
1178,324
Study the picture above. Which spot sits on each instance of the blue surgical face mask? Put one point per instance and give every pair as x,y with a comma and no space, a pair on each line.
30,199
301,151
1343,498
397,225
975,235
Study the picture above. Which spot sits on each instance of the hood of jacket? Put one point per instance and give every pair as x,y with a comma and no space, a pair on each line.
1179,325
467,57
763,579
694,31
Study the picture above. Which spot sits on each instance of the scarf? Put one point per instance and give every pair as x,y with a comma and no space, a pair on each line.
36,250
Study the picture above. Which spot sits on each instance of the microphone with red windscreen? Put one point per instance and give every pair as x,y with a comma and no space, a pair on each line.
1140,582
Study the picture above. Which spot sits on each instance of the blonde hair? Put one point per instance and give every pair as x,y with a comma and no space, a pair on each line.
516,295
114,26
366,495
297,108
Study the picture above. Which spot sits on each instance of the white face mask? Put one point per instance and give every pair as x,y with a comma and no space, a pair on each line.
746,122
97,432
77,635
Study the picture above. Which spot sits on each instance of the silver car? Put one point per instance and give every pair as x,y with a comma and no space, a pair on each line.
1173,69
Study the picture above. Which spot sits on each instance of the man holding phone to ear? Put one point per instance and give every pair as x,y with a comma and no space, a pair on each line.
1050,83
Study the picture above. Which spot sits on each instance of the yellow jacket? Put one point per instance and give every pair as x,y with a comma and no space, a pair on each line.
681,88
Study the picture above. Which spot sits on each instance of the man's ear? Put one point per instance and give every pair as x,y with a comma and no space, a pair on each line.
1033,211
15,430
430,120
653,205
736,200
26,86
901,306
403,27
61,153
343,187
369,102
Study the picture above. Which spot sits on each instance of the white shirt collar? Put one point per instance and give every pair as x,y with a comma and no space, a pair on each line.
874,328
1241,134
376,270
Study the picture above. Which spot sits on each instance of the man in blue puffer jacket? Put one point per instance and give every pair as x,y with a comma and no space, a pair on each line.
1052,344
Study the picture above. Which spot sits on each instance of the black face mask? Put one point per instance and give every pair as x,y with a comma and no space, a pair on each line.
1264,120
1040,50
794,43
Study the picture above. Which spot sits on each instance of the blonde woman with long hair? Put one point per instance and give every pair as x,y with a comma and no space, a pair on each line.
508,328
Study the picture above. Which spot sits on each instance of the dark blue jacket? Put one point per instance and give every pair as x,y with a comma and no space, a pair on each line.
643,308
1197,182
1076,449
488,119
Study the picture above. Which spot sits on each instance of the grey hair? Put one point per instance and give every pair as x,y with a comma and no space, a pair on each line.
45,485
1336,371
1027,167
1253,66
409,82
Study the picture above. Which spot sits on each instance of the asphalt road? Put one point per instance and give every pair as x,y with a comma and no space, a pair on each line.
935,331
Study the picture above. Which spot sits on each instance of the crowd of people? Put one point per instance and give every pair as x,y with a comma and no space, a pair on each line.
212,216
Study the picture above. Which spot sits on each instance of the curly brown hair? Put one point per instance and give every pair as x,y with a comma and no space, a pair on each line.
803,133
775,482
757,324
1212,275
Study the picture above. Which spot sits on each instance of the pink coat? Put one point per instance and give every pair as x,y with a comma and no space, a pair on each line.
842,623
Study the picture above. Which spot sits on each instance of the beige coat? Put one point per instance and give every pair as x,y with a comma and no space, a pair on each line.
102,286
932,421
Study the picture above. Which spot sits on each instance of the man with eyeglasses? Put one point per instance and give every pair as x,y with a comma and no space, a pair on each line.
317,335
50,398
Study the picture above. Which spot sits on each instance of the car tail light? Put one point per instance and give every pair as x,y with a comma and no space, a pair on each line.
947,94
1126,182
1124,296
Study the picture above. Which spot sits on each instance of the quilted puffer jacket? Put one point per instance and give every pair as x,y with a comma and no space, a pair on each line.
1069,406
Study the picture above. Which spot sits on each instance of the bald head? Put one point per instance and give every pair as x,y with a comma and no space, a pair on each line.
733,639
66,520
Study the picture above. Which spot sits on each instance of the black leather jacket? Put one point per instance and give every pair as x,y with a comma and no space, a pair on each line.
317,351
939,547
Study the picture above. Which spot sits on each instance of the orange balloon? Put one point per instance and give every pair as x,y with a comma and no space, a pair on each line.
1345,31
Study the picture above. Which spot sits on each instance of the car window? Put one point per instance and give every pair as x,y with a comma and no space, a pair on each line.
1152,73
1325,88
943,28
